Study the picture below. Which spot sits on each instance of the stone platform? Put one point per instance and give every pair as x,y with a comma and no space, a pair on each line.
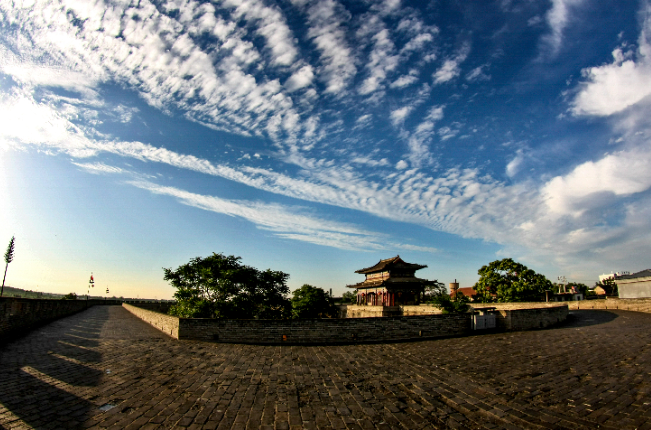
105,368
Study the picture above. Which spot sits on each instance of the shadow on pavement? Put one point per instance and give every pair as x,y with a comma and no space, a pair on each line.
581,318
33,368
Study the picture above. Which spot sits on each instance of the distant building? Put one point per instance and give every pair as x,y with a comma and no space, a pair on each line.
635,286
612,275
466,291
391,282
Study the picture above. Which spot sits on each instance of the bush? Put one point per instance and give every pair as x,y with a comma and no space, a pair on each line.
458,305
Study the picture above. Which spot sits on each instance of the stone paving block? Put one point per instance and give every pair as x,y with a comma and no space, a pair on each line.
593,371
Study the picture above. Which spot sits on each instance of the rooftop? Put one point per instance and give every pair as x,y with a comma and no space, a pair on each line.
390,263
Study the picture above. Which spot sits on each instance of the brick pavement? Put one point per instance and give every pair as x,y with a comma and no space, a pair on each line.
104,368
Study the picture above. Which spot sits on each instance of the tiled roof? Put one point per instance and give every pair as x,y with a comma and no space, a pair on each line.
394,261
643,274
387,282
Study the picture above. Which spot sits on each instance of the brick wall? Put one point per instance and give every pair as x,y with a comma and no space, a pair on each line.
526,319
638,305
18,315
306,331
165,323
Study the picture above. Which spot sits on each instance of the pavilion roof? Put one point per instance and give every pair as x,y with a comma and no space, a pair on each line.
389,263
388,282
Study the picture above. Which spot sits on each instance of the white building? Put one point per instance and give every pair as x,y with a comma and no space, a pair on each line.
612,275
635,286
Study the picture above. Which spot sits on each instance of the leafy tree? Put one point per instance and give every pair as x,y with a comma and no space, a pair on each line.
9,257
70,296
508,281
349,297
312,302
220,286
434,289
457,305
609,285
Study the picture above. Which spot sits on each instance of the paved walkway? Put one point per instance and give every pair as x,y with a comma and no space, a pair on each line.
103,368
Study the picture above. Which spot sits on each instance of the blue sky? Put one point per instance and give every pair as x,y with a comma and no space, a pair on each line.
317,137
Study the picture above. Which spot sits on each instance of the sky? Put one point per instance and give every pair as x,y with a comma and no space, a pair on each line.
318,137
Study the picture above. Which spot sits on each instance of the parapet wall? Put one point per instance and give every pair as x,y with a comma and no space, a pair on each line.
638,305
308,331
166,323
344,330
18,315
526,319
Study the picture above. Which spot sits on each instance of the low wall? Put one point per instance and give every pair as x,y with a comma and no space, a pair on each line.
361,311
166,323
18,315
161,307
308,331
347,330
526,319
638,305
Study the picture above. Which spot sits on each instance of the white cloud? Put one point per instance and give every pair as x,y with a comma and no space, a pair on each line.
558,17
614,87
302,78
158,56
477,74
404,81
97,168
272,26
398,115
286,222
450,68
327,30
619,174
382,59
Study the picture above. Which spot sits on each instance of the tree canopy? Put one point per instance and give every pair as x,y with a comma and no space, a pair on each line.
508,281
434,289
220,286
312,302
349,297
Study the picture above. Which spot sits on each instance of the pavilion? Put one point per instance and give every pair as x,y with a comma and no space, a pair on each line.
391,282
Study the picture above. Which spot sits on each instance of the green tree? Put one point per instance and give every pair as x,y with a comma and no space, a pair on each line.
457,305
312,302
9,257
70,296
220,286
434,289
349,297
508,281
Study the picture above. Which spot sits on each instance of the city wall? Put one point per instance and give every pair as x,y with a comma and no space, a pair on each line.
308,331
637,305
347,330
18,315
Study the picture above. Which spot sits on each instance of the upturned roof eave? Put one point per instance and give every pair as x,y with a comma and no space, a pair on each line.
382,264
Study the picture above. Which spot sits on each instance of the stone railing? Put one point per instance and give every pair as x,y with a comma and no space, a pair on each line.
18,315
